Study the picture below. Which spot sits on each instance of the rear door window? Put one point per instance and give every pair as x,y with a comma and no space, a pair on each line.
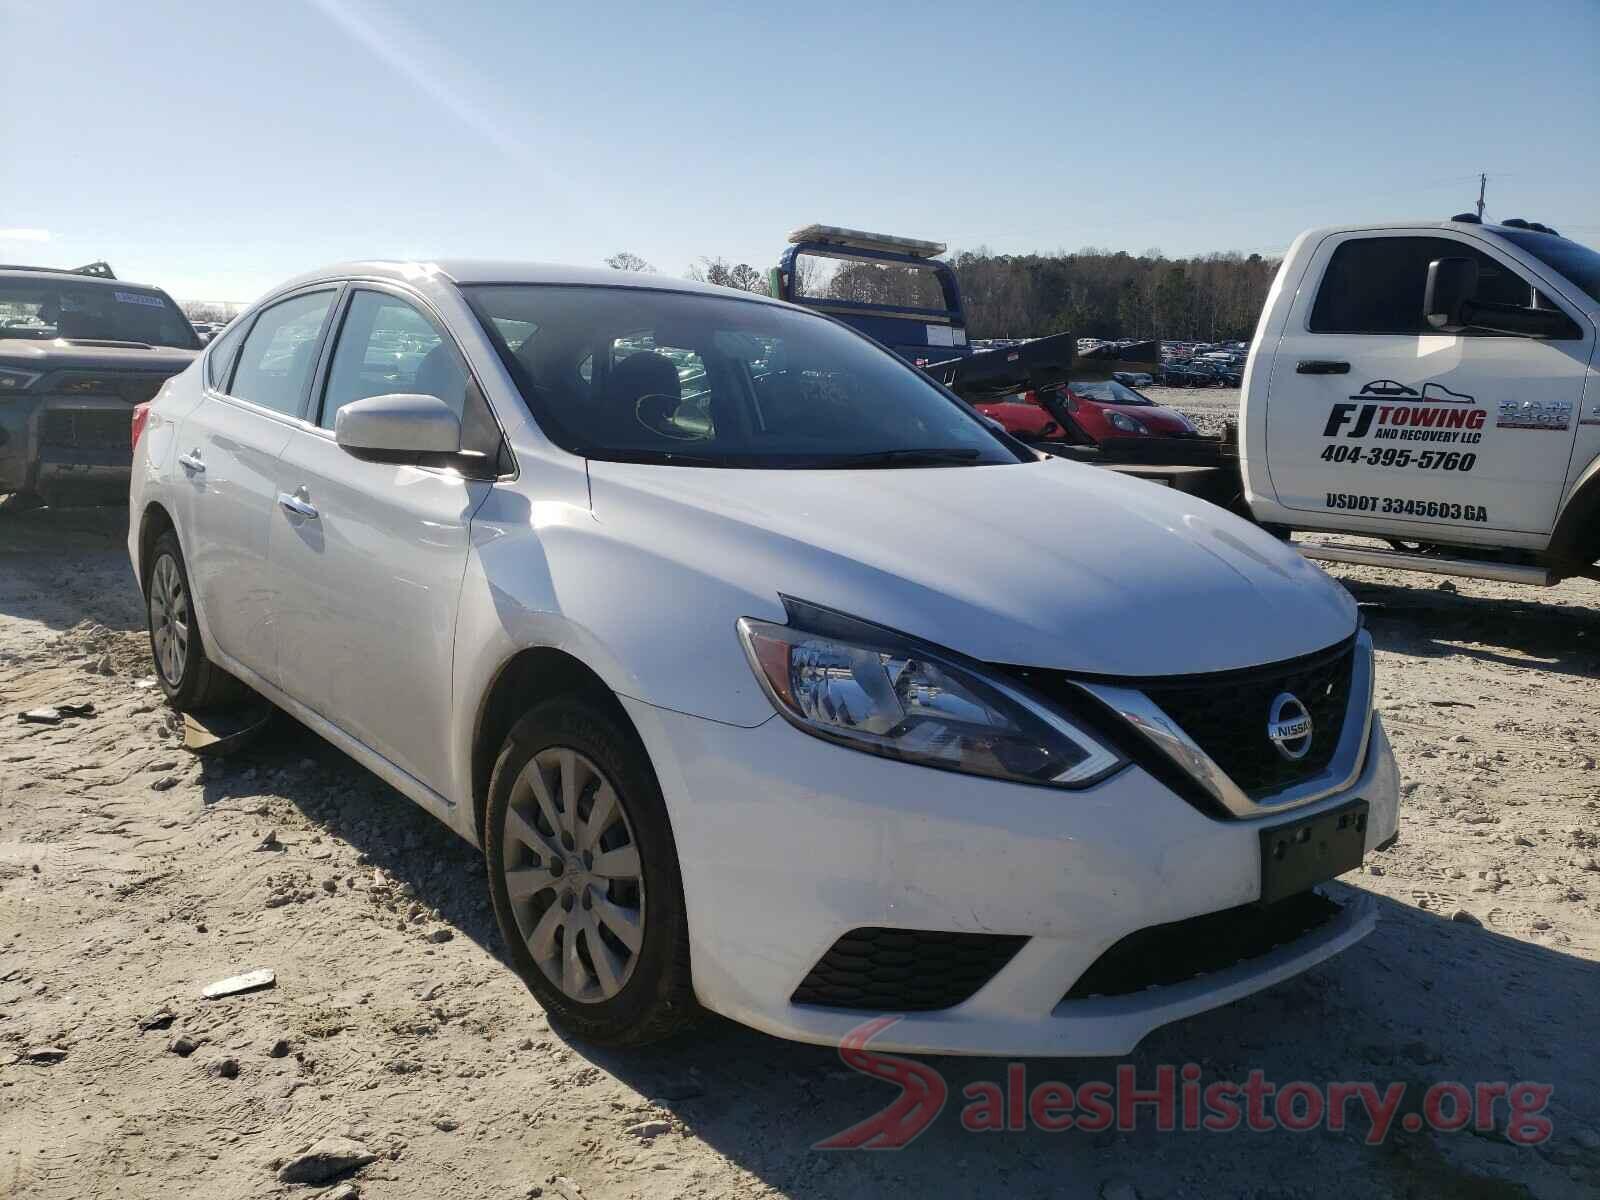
280,353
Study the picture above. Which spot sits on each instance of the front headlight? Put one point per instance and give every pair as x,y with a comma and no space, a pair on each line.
1125,423
872,689
13,380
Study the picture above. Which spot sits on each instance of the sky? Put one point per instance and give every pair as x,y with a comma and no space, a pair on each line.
216,149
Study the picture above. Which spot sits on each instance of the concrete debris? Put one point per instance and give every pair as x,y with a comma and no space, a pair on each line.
250,981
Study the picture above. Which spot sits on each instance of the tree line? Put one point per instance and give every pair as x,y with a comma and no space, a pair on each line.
1091,292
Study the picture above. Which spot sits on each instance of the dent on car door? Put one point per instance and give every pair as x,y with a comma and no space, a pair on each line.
1373,415
227,454
371,561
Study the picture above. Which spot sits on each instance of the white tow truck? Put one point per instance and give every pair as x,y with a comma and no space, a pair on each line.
1432,386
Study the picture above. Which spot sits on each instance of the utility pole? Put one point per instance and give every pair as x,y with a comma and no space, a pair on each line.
1483,182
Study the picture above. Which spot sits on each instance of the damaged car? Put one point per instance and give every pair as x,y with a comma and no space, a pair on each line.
78,350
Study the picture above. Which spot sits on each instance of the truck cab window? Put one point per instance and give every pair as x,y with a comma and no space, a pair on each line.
1375,284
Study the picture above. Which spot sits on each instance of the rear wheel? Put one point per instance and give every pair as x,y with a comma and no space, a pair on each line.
189,678
583,873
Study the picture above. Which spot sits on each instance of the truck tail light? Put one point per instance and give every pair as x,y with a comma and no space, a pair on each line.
141,414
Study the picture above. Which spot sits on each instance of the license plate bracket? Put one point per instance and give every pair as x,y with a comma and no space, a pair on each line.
1299,854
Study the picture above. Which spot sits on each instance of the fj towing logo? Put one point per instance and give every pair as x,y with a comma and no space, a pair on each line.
1390,410
1289,727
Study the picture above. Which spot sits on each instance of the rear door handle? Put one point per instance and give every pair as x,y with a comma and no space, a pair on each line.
192,462
1321,366
297,506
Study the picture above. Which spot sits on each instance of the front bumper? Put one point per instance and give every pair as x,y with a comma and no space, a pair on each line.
788,842
67,450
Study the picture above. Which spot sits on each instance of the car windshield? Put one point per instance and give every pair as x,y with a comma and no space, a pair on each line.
50,307
1578,263
684,379
1109,392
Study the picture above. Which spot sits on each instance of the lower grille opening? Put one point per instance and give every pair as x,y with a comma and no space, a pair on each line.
1163,955
905,970
91,429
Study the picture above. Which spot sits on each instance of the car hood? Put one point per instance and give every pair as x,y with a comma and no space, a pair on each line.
1047,564
77,355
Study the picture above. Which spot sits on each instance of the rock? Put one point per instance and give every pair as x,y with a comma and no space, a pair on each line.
446,1124
1539,923
325,1160
345,1191
183,1045
223,1068
1519,840
1407,789
1374,869
1587,864
1444,586
270,842
279,899
162,1018
165,784
525,1044
646,1130
440,936
1454,873
330,886
680,1089
1491,876
1546,877
45,1055
279,1049
1462,917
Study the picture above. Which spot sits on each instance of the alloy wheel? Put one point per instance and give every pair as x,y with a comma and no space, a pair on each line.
573,875
169,620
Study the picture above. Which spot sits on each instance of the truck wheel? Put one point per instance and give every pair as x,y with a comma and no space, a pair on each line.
189,678
583,873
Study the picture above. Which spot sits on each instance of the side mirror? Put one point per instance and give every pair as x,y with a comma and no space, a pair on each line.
399,428
1452,282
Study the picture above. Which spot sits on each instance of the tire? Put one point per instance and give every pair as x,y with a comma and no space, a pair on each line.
189,678
564,910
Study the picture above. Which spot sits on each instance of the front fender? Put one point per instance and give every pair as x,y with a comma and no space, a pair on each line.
547,574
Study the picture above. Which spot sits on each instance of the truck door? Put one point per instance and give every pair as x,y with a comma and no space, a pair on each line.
1374,417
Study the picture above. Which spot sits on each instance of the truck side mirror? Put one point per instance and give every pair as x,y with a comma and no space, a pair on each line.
1452,283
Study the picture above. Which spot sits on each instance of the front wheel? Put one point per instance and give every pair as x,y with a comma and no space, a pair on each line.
583,874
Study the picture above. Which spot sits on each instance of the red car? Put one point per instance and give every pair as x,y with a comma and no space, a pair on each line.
1087,413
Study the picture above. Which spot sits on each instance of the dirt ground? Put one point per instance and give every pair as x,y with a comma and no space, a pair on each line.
130,878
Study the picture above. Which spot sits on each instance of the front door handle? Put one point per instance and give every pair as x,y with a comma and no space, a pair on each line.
297,506
192,462
1321,366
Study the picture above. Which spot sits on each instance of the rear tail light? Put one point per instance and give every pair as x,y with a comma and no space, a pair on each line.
141,414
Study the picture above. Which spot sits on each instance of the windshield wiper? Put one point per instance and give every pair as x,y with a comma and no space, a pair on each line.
933,456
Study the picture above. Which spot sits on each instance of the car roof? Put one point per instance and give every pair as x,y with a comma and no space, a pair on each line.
64,275
429,275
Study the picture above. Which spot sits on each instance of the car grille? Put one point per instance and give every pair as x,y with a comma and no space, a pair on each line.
1226,715
1163,955
905,970
85,429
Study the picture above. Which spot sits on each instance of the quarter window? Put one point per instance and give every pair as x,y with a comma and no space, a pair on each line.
280,353
1375,285
220,355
